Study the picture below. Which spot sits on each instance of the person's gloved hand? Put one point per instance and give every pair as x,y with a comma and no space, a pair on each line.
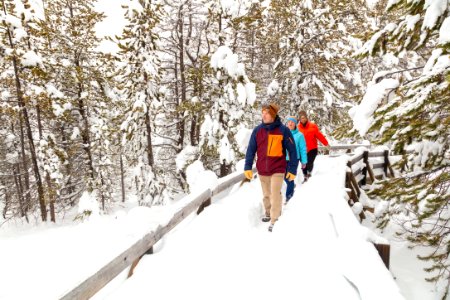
303,166
248,174
290,176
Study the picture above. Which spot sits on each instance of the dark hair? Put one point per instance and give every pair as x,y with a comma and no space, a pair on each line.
303,113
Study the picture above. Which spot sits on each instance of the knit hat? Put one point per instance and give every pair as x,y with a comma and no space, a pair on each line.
293,119
302,113
272,109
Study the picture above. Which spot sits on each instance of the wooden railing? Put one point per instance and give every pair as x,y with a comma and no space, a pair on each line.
131,256
359,174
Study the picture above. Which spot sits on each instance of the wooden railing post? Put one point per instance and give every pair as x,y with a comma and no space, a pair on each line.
364,170
387,165
384,250
353,180
367,169
386,161
350,182
204,204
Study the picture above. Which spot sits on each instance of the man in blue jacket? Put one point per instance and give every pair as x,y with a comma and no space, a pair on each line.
271,141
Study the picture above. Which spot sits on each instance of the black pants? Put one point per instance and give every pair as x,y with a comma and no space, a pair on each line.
310,165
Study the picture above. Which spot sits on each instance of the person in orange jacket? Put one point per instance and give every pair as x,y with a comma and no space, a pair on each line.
312,134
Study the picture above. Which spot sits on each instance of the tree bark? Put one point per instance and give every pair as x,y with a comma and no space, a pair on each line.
85,135
26,119
149,139
182,76
50,191
68,166
18,183
122,177
25,167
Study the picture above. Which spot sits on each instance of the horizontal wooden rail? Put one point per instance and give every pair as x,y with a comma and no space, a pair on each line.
357,158
376,154
89,287
345,147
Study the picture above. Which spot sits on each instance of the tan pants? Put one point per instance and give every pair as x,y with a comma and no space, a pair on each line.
271,187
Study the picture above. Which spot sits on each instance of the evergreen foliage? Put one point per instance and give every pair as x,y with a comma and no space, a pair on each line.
417,119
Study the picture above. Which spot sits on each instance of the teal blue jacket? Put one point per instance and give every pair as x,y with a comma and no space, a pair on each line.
300,145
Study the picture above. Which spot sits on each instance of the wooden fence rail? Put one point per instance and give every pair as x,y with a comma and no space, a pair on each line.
365,173
130,257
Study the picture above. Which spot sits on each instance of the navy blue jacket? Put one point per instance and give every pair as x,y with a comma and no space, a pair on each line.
271,142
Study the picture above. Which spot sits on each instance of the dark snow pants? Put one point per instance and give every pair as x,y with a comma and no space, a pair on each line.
310,165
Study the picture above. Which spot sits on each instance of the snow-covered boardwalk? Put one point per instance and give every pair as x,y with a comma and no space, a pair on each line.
317,250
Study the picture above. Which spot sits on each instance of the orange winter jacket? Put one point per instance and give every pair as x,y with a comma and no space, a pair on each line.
312,134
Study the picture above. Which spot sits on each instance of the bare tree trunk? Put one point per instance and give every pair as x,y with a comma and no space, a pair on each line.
25,167
149,139
50,191
18,183
194,117
7,201
68,166
122,177
85,135
182,76
102,195
26,119
85,128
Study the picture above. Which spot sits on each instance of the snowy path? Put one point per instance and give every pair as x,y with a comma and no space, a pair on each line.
317,250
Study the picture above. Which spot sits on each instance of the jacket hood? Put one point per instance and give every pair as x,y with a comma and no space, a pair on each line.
276,123
294,131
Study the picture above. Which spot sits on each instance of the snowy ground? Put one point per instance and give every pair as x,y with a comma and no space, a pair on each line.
317,250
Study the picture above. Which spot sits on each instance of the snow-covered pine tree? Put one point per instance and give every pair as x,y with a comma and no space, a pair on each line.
140,82
19,64
310,43
229,94
417,118
78,83
182,35
233,95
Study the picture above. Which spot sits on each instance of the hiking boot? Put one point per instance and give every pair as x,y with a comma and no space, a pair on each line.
270,227
307,176
265,219
287,200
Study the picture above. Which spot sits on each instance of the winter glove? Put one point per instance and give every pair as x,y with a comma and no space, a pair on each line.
248,174
290,176
303,166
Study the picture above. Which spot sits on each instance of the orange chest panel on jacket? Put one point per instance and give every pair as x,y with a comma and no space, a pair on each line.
275,145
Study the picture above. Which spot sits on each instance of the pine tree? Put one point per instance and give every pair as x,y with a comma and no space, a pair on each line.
140,81
417,119
77,87
226,107
20,63
310,43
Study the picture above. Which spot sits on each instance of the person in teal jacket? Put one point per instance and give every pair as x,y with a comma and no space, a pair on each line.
300,145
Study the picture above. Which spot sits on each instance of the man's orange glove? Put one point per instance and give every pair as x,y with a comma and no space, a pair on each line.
290,176
248,174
